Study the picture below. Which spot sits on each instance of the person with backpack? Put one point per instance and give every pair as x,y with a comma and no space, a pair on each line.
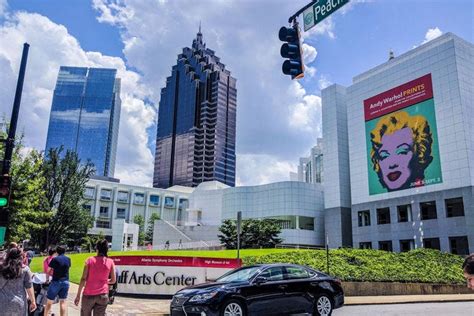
15,285
98,273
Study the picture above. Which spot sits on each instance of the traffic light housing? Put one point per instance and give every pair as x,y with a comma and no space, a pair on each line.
293,66
5,183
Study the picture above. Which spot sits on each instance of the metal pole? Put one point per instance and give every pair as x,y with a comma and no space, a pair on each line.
10,143
327,253
239,224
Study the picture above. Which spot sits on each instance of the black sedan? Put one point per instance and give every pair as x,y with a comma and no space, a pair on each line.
270,289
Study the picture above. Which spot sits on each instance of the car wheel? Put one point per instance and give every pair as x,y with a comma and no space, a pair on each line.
323,306
232,308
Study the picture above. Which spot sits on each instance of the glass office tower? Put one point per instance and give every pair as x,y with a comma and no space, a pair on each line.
85,115
196,121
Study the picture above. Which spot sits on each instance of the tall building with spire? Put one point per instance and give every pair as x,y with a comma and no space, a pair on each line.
196,121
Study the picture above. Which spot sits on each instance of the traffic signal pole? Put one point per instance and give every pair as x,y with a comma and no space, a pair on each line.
10,142
292,18
5,177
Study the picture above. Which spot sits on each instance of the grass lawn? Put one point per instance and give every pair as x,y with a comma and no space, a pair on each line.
77,260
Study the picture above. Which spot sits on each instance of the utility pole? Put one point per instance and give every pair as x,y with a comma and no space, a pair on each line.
239,226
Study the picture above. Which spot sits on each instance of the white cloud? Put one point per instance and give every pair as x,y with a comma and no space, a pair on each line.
431,34
323,82
3,7
270,169
305,114
51,47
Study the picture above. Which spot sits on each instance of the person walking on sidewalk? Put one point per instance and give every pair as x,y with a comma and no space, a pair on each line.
47,260
468,269
99,272
60,284
15,285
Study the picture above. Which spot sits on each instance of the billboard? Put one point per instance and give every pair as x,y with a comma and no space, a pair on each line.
160,275
401,137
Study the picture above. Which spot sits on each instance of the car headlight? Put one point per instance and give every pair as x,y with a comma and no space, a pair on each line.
203,297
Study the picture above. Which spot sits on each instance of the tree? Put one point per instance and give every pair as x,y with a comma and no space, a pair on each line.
90,241
151,226
66,178
140,221
29,214
254,233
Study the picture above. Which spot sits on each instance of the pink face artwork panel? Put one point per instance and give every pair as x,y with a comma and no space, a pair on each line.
395,156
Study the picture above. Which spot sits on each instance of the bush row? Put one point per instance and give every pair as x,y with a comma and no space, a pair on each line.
420,265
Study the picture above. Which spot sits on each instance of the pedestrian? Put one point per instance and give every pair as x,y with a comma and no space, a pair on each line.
167,245
59,266
15,285
29,256
180,245
468,269
98,273
47,260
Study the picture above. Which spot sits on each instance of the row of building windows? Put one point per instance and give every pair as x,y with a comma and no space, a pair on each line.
454,208
138,198
458,245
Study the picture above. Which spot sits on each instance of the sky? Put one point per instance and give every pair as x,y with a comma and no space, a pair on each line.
278,120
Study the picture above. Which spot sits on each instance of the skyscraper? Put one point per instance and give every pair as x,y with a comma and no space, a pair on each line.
196,121
85,115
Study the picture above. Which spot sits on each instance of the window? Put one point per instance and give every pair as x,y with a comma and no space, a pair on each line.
306,223
139,198
89,193
154,200
102,224
459,245
183,203
385,245
122,197
273,274
104,211
365,245
121,212
454,207
106,194
407,245
428,210
404,213
364,218
383,216
169,201
431,243
296,273
87,208
286,222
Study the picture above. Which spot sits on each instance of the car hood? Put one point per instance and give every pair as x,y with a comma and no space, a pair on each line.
208,287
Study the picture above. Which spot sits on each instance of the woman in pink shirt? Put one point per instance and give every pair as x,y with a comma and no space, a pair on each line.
46,262
98,273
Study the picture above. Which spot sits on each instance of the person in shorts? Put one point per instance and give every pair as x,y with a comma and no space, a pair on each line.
98,273
468,269
60,284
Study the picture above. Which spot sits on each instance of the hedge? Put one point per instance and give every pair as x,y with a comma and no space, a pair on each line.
420,265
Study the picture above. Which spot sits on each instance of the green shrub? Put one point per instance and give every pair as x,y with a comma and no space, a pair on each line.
420,265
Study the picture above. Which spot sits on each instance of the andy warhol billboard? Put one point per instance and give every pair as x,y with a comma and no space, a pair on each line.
402,139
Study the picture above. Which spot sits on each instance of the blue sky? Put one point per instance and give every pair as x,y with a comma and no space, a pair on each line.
278,120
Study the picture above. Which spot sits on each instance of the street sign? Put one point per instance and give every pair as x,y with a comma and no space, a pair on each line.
320,10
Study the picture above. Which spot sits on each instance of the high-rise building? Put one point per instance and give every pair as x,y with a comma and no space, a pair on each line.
310,169
85,115
196,121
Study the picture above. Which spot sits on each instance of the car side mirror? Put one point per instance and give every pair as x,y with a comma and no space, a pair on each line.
260,280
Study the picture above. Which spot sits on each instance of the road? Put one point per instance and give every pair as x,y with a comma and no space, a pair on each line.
422,309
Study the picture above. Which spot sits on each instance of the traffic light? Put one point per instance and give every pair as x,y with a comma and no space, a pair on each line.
292,50
5,183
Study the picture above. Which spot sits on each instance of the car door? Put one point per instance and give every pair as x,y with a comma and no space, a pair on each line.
267,298
298,293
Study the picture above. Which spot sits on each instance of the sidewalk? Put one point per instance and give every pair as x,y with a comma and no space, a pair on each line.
155,307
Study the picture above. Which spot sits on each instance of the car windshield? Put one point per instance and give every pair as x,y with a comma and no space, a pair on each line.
239,275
